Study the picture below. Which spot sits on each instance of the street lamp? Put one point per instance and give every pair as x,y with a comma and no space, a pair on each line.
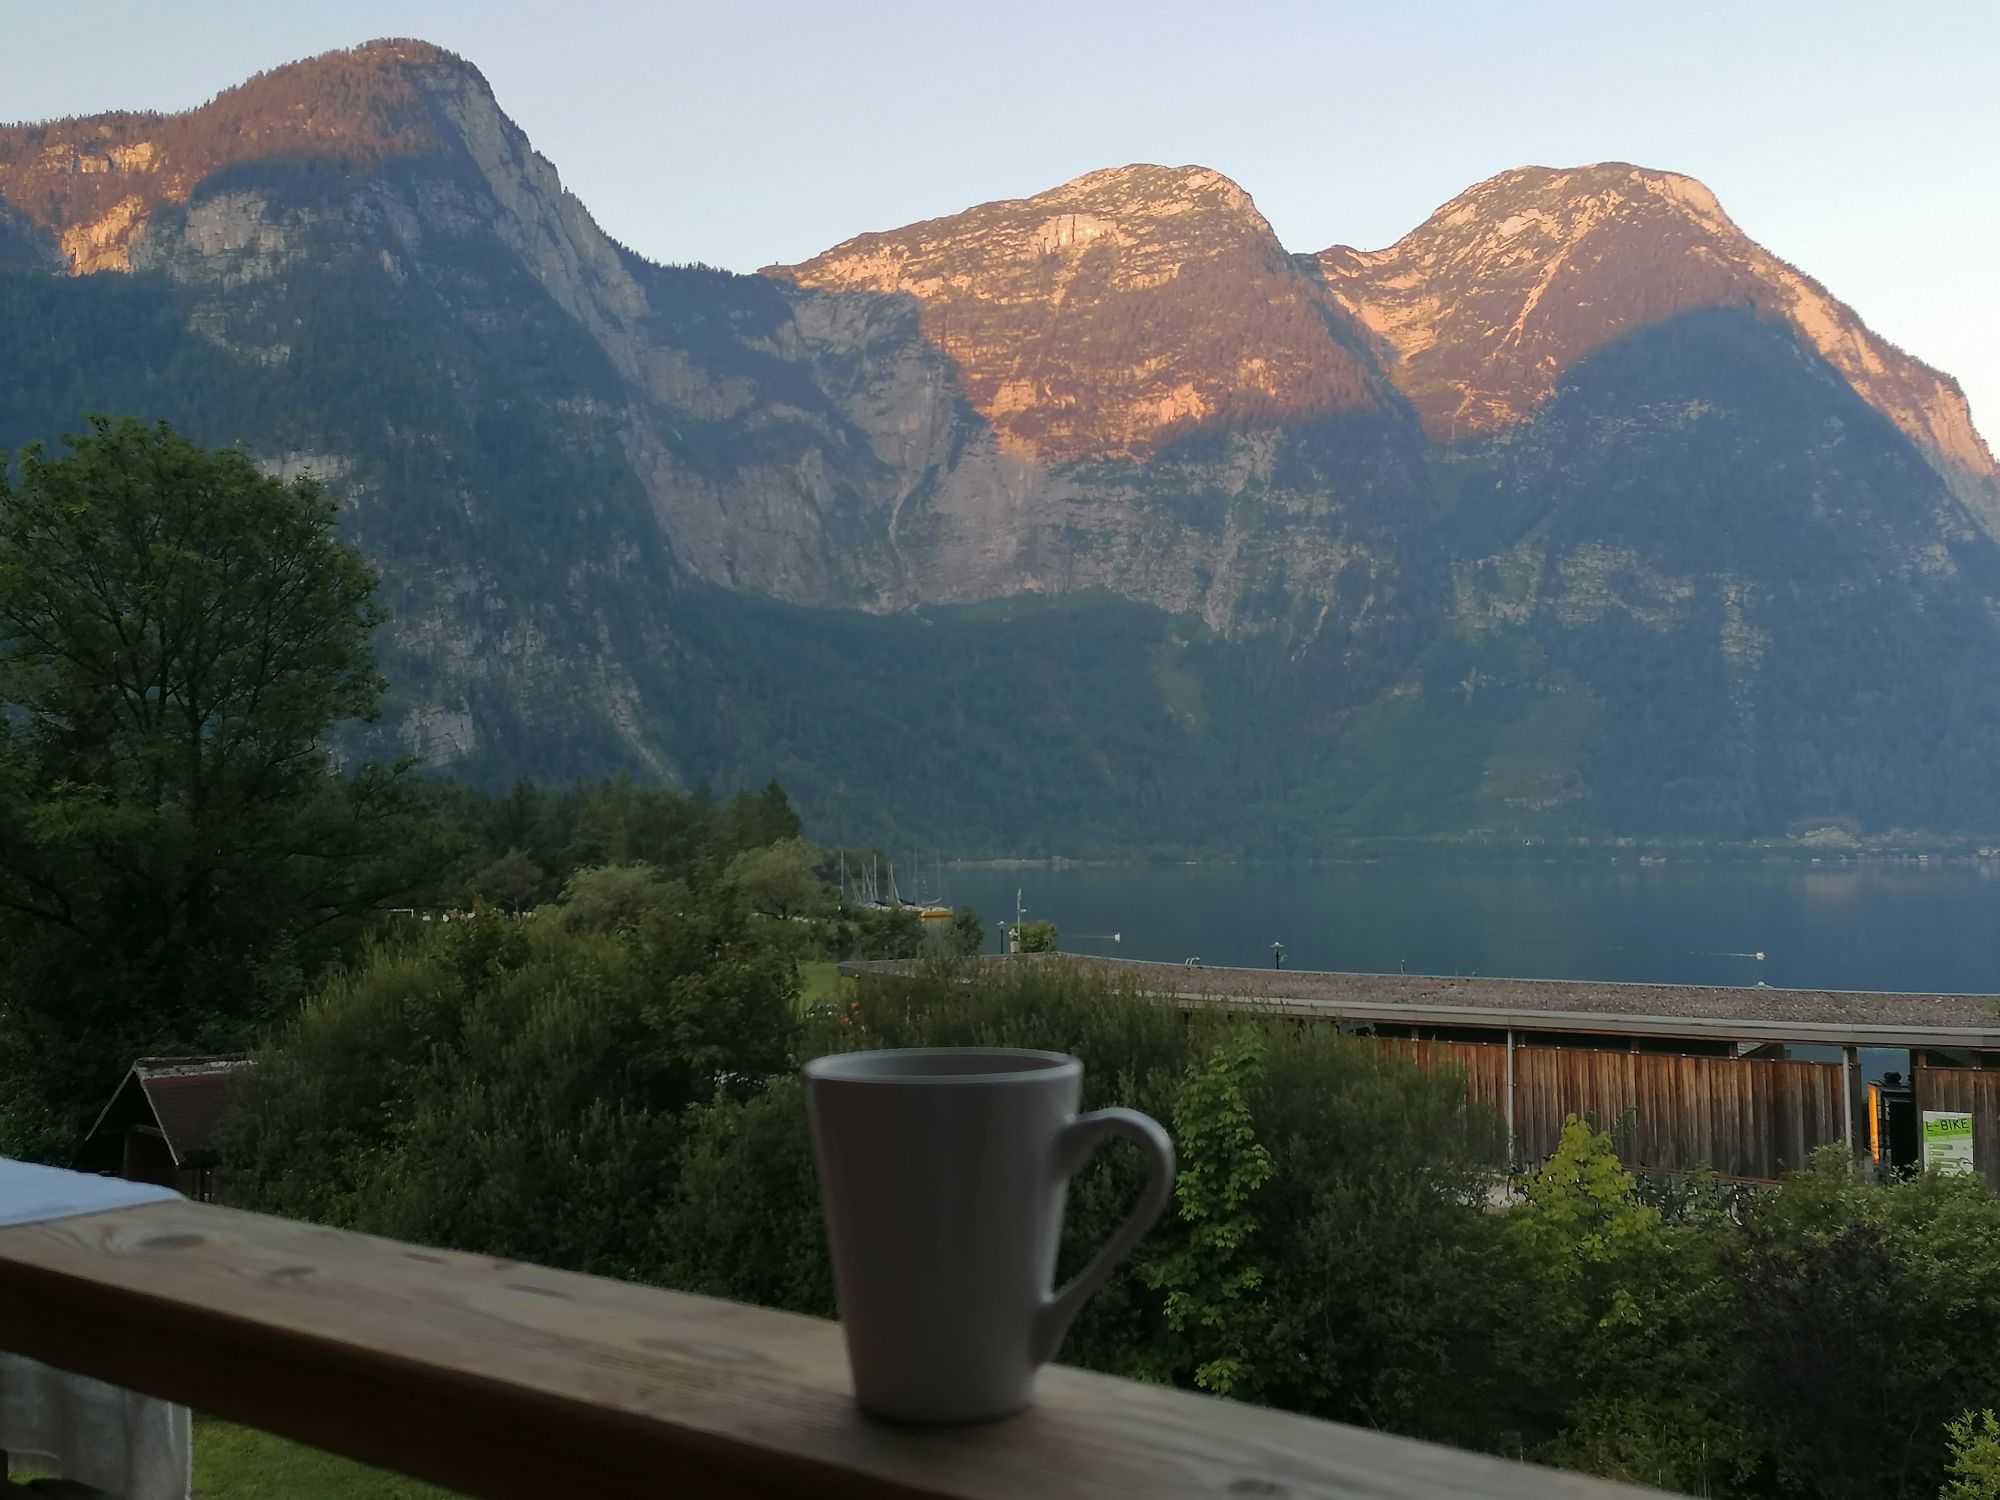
1277,955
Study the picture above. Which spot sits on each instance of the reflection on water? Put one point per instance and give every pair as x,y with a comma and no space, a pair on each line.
1875,927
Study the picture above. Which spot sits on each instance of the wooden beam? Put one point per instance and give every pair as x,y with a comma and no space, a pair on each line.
507,1380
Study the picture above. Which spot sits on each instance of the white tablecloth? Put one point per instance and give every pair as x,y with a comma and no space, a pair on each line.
30,1194
110,1439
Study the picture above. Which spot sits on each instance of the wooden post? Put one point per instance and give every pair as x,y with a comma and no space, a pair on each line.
1850,1068
1512,1159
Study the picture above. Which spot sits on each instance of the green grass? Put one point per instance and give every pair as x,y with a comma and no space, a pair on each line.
819,980
241,1463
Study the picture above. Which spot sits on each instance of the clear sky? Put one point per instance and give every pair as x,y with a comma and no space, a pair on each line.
1858,139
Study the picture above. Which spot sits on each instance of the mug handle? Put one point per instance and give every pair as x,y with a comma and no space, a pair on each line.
1073,1147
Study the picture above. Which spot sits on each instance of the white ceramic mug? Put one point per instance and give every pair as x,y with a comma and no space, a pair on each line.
943,1175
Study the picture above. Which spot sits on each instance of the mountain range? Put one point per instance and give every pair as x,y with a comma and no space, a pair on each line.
1097,520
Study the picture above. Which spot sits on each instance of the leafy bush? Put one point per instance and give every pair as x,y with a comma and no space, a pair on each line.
516,1088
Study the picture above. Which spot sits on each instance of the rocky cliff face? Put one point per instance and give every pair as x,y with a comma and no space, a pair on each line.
1115,314
95,183
1124,383
1571,496
1483,308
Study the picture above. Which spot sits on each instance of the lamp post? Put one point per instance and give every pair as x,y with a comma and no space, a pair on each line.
1277,955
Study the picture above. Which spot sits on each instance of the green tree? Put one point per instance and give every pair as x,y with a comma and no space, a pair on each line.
752,820
1386,1273
1870,1304
892,933
1973,1444
611,899
1038,937
782,880
512,881
1822,1318
1215,1277
178,632
616,823
1624,1322
967,937
743,1220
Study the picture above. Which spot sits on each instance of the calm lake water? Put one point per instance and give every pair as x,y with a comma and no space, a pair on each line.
1870,926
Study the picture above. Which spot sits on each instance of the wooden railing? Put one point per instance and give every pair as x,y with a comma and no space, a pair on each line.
510,1380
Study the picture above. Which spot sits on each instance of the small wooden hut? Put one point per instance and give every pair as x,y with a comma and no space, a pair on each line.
159,1124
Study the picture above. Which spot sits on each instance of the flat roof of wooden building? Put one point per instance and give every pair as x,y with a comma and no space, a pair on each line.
1865,1018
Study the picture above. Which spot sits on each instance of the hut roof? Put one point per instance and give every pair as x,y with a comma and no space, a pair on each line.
181,1097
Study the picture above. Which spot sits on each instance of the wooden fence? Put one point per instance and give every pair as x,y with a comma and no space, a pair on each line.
1973,1091
1744,1117
1483,1063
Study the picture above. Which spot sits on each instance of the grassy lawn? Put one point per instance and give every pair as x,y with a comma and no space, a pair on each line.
240,1463
819,980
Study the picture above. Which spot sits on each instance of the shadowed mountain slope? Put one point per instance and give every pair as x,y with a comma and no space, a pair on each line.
1485,305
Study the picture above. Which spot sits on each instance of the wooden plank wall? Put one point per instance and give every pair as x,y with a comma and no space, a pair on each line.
1483,1063
1744,1117
1973,1091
